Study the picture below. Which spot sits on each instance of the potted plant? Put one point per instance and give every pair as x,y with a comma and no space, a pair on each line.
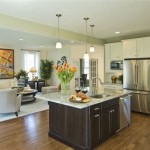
22,78
120,78
46,68
21,73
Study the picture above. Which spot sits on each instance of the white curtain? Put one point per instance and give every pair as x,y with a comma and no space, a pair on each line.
31,59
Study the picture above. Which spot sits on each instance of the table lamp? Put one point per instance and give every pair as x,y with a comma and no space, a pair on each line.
33,71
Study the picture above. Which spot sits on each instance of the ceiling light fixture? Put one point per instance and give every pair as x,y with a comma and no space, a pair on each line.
58,44
117,32
92,47
86,55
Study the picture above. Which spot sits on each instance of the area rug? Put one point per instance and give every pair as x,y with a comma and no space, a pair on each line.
26,108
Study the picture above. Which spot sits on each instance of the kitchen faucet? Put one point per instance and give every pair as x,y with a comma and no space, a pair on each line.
94,88
98,79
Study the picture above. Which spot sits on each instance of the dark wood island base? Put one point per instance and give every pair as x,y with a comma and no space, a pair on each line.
83,129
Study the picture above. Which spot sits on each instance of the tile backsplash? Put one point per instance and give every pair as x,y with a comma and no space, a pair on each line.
107,76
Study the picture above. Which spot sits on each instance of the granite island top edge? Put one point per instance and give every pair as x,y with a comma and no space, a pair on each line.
57,97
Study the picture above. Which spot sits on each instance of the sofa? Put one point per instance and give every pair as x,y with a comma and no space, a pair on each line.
7,83
49,89
9,101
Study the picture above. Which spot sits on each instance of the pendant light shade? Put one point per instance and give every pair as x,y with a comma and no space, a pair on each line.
58,44
86,55
92,47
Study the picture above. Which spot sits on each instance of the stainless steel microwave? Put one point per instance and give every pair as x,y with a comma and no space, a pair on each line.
116,65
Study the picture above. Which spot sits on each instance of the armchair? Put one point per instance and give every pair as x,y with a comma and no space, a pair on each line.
9,101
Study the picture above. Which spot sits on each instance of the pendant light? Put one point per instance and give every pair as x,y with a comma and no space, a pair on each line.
58,44
92,47
86,55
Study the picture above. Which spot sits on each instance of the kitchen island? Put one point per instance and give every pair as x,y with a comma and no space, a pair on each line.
83,125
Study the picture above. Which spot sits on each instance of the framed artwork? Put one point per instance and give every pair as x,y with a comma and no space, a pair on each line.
6,63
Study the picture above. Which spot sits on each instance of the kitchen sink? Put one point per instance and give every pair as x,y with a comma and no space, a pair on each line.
99,95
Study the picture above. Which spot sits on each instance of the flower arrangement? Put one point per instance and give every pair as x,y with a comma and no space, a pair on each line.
65,72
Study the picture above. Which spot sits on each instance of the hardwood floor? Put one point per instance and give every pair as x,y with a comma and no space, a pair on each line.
31,133
134,137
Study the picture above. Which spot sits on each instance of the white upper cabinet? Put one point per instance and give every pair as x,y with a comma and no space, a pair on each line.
130,48
144,47
107,58
113,51
136,48
116,50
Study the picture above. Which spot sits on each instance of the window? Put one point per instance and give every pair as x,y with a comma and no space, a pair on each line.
86,68
31,59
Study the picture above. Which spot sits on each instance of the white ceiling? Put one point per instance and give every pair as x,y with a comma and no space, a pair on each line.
127,16
10,38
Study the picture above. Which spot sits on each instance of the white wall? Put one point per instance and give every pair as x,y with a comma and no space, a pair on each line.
74,53
17,55
55,55
77,52
107,76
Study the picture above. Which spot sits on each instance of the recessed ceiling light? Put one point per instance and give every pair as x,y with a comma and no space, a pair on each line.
71,41
21,39
117,32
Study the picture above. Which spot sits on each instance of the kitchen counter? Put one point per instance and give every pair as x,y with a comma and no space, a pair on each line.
57,97
113,85
83,126
110,83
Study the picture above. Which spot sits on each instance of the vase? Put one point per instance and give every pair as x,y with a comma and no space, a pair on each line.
65,87
21,81
25,81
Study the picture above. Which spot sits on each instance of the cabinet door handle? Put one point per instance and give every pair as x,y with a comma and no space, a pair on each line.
96,116
121,98
96,108
109,119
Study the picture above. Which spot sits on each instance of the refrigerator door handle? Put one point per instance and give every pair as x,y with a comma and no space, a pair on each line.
135,75
137,68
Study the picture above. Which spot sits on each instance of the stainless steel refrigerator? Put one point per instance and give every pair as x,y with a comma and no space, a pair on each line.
137,78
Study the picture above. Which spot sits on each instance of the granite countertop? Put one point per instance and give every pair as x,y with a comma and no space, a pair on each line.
57,97
109,83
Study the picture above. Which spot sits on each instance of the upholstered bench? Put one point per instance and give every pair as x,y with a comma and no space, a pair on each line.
49,89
